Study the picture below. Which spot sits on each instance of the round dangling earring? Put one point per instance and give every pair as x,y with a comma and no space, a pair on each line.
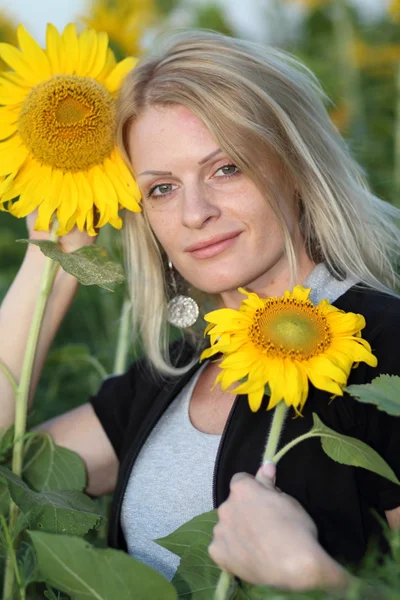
182,311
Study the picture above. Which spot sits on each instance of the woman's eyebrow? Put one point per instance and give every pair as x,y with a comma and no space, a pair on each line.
201,162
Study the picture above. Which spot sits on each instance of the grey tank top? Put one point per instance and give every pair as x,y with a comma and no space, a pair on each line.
171,480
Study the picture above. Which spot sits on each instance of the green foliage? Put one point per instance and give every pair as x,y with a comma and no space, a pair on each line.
350,451
73,566
383,391
65,511
91,265
51,467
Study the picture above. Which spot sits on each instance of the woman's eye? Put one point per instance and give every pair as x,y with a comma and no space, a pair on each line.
228,170
163,190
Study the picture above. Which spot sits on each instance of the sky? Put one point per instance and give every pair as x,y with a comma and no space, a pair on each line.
34,14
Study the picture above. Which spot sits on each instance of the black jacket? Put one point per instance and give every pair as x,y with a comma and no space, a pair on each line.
340,499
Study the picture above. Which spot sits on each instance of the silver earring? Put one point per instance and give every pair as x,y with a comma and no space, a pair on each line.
182,311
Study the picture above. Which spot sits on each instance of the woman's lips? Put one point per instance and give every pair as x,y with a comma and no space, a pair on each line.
214,248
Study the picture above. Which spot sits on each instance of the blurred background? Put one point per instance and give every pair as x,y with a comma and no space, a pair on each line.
352,45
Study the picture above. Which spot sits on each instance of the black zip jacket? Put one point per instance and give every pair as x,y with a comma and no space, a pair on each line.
342,500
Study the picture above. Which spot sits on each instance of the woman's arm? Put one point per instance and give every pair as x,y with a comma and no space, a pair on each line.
17,309
266,537
79,429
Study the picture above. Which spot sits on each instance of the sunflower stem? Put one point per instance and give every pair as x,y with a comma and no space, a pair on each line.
21,401
224,586
275,431
124,337
293,443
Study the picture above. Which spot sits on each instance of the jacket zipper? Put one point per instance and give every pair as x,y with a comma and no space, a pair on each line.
219,452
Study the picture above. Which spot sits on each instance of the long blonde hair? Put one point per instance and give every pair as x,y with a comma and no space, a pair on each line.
256,99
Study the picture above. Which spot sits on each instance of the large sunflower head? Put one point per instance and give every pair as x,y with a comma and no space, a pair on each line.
284,342
57,146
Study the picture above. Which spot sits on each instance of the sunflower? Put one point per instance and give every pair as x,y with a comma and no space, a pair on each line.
394,10
124,21
57,148
284,342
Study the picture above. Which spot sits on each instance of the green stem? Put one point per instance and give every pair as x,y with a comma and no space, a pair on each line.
124,338
92,360
22,396
293,443
10,377
275,431
224,586
348,71
225,580
13,558
396,198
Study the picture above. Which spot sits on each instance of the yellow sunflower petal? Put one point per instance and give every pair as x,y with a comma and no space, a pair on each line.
228,377
15,59
324,366
12,154
10,93
87,51
100,57
345,323
85,195
54,45
116,222
109,65
323,383
7,130
300,293
122,187
70,49
114,79
33,54
255,399
89,224
68,202
104,196
48,207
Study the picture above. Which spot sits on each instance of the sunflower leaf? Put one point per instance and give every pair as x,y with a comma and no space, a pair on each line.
350,451
91,265
75,567
51,467
196,531
384,391
67,512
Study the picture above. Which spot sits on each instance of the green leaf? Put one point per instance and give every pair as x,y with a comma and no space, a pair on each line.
50,467
6,442
4,498
197,575
350,451
57,512
91,265
196,531
84,572
384,391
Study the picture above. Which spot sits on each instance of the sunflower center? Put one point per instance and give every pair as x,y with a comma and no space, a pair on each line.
68,122
290,328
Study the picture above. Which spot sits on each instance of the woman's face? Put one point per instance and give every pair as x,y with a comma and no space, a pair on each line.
213,222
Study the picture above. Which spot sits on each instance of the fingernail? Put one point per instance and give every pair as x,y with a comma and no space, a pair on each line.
267,469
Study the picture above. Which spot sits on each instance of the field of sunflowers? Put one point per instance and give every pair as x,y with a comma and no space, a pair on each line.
357,59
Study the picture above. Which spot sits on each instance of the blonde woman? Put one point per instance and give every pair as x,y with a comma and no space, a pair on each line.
245,182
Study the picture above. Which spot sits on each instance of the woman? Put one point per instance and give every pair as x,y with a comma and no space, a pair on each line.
245,182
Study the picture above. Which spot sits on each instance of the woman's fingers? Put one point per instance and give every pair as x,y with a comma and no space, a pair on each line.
266,474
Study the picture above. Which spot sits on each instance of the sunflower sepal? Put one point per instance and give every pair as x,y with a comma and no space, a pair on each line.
91,265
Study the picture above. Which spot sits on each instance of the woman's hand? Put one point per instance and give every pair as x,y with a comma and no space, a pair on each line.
266,537
71,241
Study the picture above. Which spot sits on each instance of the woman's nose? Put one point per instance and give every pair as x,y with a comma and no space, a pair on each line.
198,207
